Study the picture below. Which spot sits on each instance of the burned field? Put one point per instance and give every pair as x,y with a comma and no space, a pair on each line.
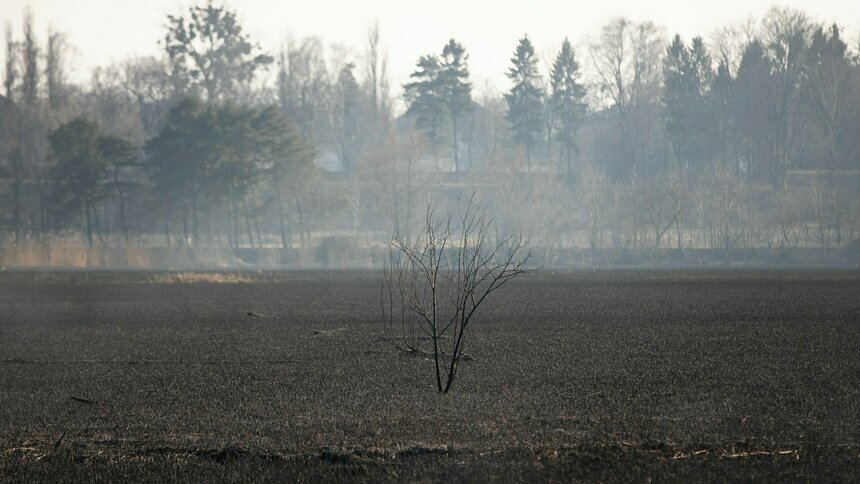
609,376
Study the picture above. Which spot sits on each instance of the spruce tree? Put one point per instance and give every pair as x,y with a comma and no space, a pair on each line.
567,100
525,105
425,98
722,134
687,77
456,90
676,96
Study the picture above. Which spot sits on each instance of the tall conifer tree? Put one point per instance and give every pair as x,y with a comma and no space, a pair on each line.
567,100
525,105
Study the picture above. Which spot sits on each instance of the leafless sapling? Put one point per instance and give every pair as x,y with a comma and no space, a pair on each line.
433,285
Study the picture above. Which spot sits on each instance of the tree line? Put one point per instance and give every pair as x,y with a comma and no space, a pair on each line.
746,138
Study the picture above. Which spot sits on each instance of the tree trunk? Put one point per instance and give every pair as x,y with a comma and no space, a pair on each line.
194,227
569,164
98,226
436,338
257,230
16,196
283,227
456,157
121,197
247,217
471,137
89,225
43,206
301,221
167,229
234,217
185,224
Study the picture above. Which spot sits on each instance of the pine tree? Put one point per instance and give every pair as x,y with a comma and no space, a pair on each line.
456,90
426,99
525,105
567,100
702,122
675,92
118,154
80,173
289,160
181,160
687,76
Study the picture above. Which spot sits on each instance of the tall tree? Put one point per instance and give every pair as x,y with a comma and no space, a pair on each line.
568,101
753,110
456,90
79,178
626,57
676,94
10,78
11,128
347,113
287,160
33,129
55,71
181,161
209,52
376,81
119,154
722,133
304,88
786,34
647,46
237,164
831,93
687,77
525,99
146,80
610,55
425,98
30,53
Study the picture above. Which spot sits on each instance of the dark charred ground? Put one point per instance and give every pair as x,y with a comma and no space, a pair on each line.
610,376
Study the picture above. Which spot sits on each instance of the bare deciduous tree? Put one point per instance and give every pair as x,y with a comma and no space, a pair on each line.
433,286
679,199
656,203
376,79
592,195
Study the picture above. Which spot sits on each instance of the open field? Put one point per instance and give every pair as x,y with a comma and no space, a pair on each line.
607,376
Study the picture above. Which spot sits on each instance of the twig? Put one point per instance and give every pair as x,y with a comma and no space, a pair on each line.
60,440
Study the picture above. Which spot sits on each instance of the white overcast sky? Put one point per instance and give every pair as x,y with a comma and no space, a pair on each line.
105,31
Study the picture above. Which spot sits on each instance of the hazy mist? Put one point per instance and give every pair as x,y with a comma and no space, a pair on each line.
194,135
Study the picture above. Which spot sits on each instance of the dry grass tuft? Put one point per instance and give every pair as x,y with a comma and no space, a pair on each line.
197,277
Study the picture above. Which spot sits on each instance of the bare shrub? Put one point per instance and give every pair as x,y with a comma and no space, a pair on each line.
433,285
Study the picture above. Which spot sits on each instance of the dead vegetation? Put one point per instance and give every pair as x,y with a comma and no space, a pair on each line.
198,277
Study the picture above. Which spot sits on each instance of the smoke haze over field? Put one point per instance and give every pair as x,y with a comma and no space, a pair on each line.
266,134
